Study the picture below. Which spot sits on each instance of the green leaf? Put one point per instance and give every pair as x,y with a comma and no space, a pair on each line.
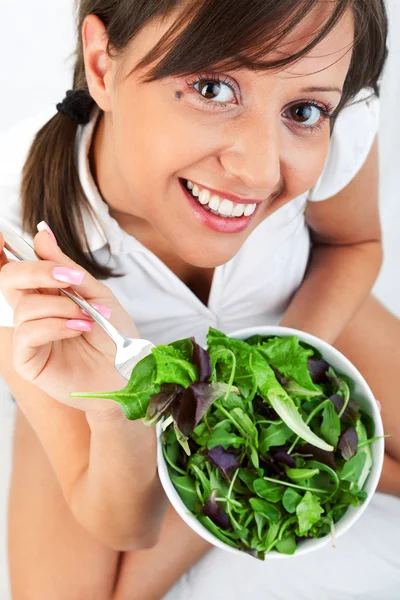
271,535
290,500
201,476
267,490
330,427
308,512
172,367
300,474
186,489
274,435
287,545
366,449
248,478
290,358
281,402
221,437
268,510
135,397
354,468
245,425
215,530
260,522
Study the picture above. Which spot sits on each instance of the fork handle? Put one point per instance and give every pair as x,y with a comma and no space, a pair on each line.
117,337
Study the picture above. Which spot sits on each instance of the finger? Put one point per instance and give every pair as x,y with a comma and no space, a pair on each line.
32,335
35,307
49,251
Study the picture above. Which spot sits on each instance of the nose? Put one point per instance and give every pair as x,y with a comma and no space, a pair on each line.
253,157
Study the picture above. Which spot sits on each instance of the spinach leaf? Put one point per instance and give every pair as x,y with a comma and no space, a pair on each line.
215,530
287,545
221,437
290,500
186,488
267,490
268,510
135,397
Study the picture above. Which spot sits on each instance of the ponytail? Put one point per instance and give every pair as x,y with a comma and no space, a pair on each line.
51,191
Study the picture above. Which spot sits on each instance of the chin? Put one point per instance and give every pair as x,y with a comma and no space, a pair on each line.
205,258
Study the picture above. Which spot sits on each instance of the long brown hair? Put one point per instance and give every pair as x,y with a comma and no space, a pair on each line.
208,33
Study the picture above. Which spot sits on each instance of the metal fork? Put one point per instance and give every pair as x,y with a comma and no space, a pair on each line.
129,351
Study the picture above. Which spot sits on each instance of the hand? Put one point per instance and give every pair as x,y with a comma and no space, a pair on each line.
46,351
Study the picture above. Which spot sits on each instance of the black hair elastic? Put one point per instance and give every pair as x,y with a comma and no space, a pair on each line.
77,105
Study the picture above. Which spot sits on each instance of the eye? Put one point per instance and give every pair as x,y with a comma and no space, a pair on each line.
306,114
215,90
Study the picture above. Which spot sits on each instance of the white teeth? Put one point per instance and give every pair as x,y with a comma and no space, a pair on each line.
238,210
214,203
226,208
220,206
204,197
249,209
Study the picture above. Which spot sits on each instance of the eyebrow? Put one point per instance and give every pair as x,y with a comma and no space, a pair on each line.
322,89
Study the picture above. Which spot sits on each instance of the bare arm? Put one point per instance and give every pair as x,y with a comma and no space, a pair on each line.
346,256
106,467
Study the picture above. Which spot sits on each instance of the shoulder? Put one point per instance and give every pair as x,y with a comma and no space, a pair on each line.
15,144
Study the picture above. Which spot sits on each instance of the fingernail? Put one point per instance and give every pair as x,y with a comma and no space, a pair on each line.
67,275
103,310
379,405
78,325
42,226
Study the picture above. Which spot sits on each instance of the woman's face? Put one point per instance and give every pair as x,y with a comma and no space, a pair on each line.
254,140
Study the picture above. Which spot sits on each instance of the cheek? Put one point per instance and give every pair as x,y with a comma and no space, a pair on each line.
302,165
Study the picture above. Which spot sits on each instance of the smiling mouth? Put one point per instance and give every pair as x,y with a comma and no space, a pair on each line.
221,207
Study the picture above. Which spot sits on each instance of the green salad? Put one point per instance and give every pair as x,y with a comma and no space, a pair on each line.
264,441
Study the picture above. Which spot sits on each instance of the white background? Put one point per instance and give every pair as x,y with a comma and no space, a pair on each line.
36,43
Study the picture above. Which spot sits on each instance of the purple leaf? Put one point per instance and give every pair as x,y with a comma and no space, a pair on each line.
284,458
262,408
202,360
194,402
226,462
351,412
270,467
215,512
348,443
161,402
318,370
323,456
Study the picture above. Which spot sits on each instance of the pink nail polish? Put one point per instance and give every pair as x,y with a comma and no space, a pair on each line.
78,325
379,405
42,226
103,310
67,275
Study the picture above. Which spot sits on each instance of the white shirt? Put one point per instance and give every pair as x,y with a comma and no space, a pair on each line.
254,288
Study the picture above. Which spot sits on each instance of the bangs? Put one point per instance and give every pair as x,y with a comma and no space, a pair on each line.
237,34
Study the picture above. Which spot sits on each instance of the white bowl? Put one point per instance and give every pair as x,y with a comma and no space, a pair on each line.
367,402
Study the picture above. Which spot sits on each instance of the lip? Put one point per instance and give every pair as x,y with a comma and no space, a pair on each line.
214,222
226,195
